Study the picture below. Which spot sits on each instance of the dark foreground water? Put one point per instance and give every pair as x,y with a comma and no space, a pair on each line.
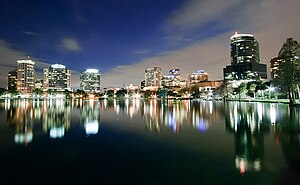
148,142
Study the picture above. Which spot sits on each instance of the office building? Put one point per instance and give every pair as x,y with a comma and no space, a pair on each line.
197,77
57,78
12,80
152,78
25,76
90,80
173,79
245,61
274,64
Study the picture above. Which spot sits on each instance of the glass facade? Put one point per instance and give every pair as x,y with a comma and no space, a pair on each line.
57,78
90,80
245,62
25,76
153,78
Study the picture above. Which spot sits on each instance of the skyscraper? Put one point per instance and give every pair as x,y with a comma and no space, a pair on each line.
25,76
90,80
153,78
245,61
57,78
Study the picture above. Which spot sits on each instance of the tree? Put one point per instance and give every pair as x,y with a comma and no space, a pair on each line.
38,91
2,91
289,70
241,90
251,87
121,93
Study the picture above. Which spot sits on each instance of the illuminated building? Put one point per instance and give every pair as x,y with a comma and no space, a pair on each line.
152,78
274,64
245,62
57,78
173,79
198,76
25,76
12,80
90,80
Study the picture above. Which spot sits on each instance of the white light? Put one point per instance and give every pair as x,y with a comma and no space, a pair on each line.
92,127
92,70
240,35
26,61
58,66
57,132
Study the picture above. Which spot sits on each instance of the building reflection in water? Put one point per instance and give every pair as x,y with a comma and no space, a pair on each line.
90,117
20,117
288,135
56,117
176,114
249,126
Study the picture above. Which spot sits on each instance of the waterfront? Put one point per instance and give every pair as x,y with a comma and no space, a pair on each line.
148,142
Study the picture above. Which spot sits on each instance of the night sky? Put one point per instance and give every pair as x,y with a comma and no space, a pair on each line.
123,37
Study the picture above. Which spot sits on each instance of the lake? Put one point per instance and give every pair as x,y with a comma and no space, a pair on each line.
148,142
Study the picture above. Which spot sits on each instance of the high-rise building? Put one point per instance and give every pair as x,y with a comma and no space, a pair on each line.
197,77
153,78
245,62
173,79
57,78
274,64
90,80
12,80
25,76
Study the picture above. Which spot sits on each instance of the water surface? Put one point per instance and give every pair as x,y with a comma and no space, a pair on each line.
148,142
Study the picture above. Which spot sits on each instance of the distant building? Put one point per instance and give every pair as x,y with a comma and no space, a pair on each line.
245,61
12,80
173,79
57,78
90,80
274,64
197,77
25,76
152,78
210,85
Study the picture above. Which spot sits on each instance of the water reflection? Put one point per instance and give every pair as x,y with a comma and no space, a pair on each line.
56,117
53,115
176,114
90,117
247,121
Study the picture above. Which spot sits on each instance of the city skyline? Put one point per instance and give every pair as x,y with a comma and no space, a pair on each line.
128,37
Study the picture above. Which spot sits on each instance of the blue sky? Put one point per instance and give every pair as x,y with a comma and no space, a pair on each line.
123,37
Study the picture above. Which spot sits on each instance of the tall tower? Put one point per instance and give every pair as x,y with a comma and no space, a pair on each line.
25,76
243,48
153,78
57,78
90,80
245,62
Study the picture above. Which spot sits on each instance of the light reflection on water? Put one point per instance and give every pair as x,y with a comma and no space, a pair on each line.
249,124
